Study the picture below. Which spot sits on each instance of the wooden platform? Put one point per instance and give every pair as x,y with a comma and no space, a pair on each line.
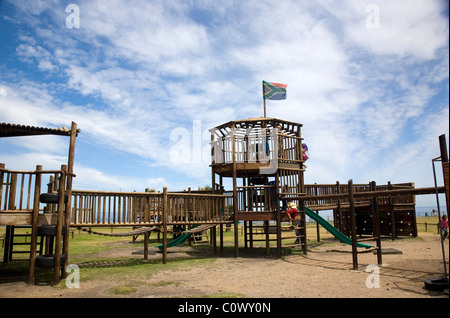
199,229
257,216
24,217
15,217
253,169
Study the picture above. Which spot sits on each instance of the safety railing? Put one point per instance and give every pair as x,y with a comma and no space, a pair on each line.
328,190
20,195
99,208
256,146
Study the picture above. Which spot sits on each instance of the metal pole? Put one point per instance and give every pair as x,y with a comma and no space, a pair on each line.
439,217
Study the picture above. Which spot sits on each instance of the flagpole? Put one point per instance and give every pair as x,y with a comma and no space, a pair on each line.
264,100
264,108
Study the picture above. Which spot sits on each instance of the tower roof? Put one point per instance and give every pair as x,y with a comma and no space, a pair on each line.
288,127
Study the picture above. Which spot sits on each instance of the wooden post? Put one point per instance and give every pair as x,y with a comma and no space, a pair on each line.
245,234
12,191
68,206
235,200
245,203
277,202
376,223
164,217
266,223
391,210
34,224
249,232
353,224
9,234
2,166
213,187
225,208
221,237
214,239
339,209
146,239
317,223
301,189
73,136
59,225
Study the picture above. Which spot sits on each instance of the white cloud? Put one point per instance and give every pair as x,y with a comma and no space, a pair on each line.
143,32
406,28
86,177
142,69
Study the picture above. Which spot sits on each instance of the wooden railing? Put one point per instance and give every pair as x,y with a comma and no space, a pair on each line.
91,208
99,208
16,189
256,198
256,147
19,195
191,208
327,191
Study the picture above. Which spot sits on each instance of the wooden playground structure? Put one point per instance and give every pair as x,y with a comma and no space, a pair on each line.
263,156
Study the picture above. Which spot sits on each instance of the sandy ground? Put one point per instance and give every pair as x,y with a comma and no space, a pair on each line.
326,271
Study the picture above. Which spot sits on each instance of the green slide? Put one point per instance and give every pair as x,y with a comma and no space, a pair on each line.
330,228
178,240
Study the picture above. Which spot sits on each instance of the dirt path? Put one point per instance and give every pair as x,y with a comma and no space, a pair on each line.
325,272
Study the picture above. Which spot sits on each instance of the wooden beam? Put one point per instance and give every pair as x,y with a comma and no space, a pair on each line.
369,194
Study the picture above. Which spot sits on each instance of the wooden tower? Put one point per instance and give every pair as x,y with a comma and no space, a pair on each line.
263,156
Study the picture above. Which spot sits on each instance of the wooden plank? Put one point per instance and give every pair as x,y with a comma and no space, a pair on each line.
17,211
368,194
20,218
200,228
256,216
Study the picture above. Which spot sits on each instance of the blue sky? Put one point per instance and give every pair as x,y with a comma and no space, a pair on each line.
367,79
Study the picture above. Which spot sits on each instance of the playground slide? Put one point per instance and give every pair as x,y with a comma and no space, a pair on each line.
330,228
178,240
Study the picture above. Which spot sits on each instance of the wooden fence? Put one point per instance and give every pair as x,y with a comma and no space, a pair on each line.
99,208
328,196
19,195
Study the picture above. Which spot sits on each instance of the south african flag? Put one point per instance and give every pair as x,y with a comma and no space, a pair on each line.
274,91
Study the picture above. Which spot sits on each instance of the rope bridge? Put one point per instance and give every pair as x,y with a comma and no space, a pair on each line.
138,231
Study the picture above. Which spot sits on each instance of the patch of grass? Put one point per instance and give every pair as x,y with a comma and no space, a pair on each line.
223,295
120,269
164,283
121,290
